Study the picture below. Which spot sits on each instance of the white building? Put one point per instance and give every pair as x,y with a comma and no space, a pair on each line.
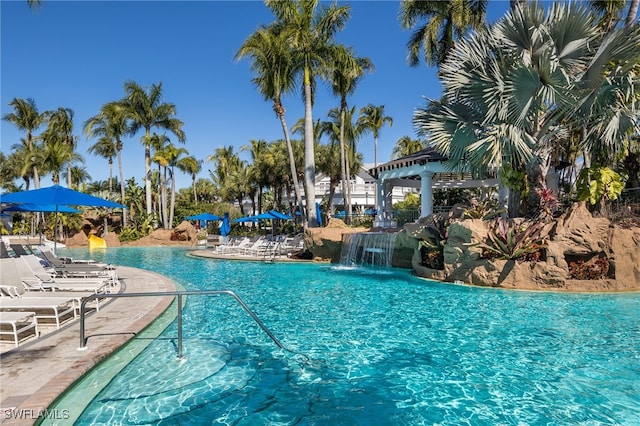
362,187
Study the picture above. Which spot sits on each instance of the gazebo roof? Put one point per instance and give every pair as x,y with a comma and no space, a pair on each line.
422,157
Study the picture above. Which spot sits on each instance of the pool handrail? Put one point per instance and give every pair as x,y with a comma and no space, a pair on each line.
179,294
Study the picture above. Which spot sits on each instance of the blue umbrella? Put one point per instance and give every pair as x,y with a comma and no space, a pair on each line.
225,227
204,216
30,207
319,214
247,219
56,196
277,215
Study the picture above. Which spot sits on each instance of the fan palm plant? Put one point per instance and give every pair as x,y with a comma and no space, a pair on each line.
512,93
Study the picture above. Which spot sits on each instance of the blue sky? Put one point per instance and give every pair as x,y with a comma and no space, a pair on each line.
78,54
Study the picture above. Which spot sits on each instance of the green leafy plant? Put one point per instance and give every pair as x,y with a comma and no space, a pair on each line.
597,184
485,210
434,236
511,241
515,179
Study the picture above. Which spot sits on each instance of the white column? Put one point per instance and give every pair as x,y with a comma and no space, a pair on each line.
384,203
426,193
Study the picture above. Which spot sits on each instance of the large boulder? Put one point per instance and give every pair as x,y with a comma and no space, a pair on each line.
326,242
184,234
577,241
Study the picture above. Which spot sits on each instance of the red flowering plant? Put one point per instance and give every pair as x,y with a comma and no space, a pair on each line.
548,202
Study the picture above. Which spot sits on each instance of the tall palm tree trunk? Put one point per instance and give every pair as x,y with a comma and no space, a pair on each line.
292,165
343,171
36,176
173,196
122,189
147,171
309,154
195,193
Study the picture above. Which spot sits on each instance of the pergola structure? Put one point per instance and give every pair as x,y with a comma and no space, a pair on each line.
425,170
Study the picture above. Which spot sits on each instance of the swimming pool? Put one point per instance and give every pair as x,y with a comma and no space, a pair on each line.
383,348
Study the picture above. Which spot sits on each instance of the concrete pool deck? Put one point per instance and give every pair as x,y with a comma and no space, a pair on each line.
34,374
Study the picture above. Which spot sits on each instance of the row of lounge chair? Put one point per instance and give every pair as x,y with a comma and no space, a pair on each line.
261,246
34,294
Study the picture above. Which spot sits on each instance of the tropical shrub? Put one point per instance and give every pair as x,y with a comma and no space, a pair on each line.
434,236
432,255
548,203
487,209
598,184
511,241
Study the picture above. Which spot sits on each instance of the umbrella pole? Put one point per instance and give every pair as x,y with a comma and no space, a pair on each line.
55,232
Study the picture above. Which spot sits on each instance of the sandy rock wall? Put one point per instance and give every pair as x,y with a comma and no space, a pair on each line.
575,237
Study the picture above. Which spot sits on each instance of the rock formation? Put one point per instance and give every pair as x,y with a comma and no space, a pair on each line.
579,247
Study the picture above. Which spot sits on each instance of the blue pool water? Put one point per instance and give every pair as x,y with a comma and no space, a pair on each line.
383,348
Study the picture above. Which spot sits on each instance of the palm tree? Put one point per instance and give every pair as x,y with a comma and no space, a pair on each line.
547,75
145,110
10,169
173,155
60,127
257,149
310,33
79,175
25,116
274,71
372,118
447,22
342,125
110,125
406,146
106,149
160,144
191,166
226,162
345,74
23,160
54,156
609,11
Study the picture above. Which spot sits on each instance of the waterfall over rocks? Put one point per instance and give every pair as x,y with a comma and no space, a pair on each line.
367,249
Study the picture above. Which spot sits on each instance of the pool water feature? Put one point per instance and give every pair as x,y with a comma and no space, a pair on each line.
383,347
372,249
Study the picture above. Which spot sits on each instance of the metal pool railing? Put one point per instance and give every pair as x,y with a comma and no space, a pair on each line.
179,295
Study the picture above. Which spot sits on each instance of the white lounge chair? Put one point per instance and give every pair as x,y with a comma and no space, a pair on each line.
232,245
36,277
12,288
19,325
58,267
58,309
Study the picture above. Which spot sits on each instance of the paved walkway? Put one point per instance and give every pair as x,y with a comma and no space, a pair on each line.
33,375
